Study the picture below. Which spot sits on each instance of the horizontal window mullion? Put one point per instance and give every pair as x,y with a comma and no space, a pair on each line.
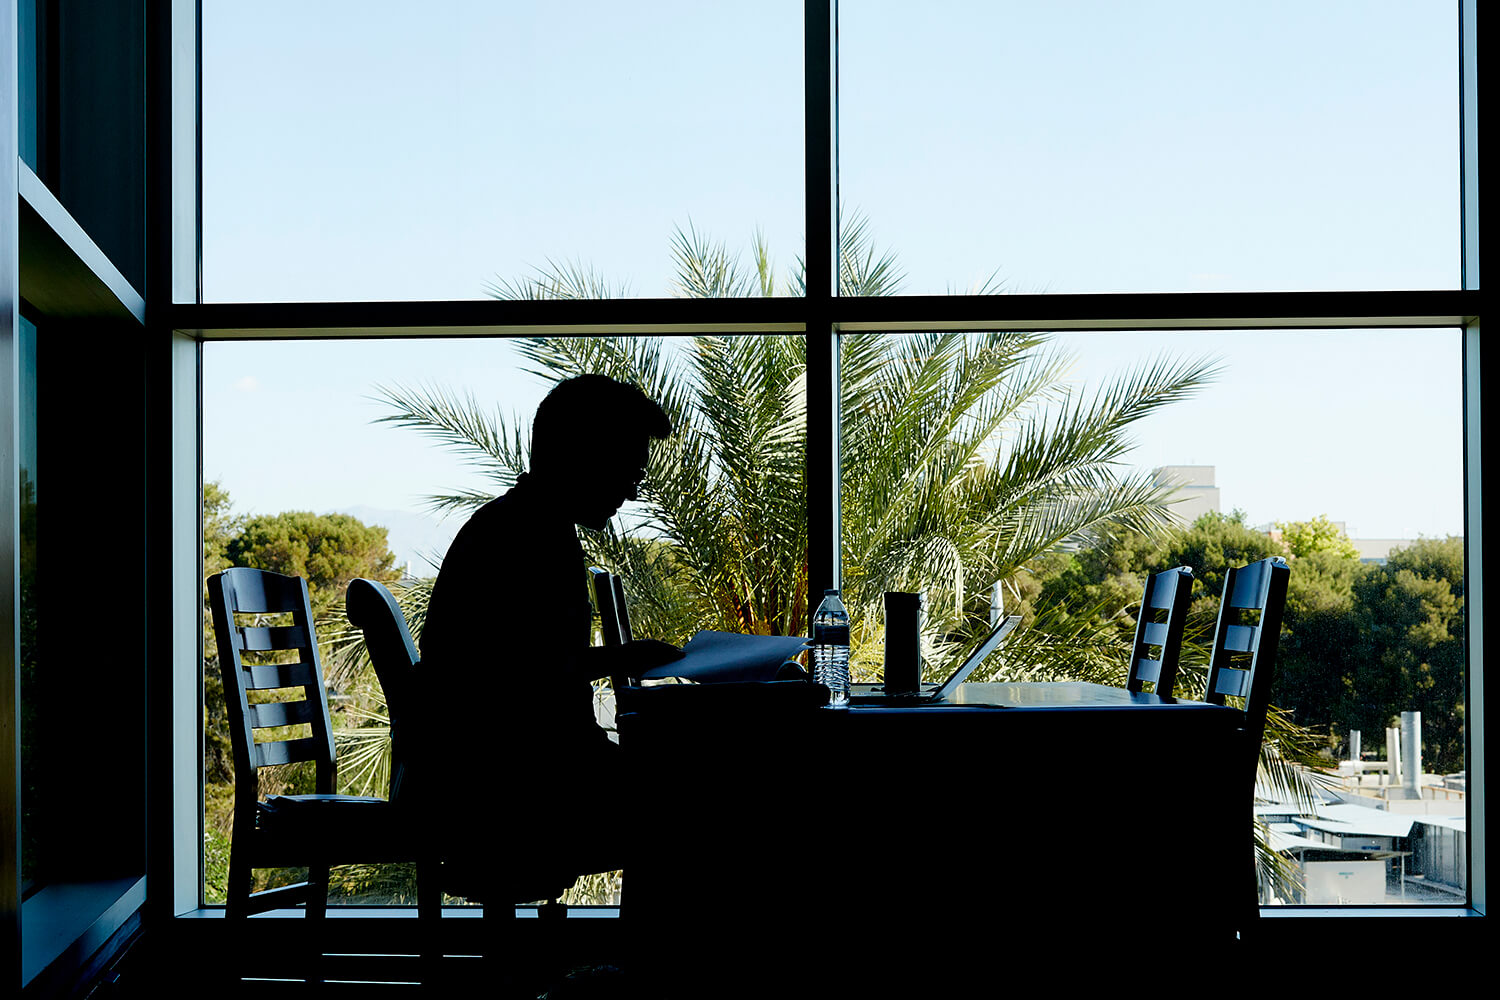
1140,311
624,317
490,317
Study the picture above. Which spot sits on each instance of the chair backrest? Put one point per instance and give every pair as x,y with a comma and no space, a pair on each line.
1243,661
614,619
373,610
1158,630
243,602
605,602
622,610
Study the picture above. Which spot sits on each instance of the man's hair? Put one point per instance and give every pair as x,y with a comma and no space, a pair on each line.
582,413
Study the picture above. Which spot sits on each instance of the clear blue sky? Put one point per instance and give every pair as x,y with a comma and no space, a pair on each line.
382,151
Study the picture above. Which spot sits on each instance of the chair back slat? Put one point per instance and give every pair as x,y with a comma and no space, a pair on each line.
1159,643
1162,593
1240,638
1247,587
286,751
1232,682
254,595
1148,670
271,638
270,714
266,676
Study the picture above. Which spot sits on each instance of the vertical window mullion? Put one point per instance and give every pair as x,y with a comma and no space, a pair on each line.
1474,699
821,199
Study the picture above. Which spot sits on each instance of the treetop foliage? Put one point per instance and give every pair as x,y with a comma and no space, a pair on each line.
327,550
1303,538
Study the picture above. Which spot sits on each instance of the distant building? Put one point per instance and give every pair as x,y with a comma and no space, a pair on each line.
1377,550
1371,550
1195,494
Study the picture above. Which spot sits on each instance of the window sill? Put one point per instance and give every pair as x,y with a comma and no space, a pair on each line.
354,912
64,923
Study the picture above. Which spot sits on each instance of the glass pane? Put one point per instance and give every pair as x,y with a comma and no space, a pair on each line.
1169,146
412,436
354,151
1047,476
82,123
33,758
31,70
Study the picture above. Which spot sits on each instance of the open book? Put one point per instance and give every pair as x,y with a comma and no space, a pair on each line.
715,657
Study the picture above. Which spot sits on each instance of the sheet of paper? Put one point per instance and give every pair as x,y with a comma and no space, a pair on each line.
728,656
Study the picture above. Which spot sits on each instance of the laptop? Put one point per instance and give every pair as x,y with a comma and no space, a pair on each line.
875,694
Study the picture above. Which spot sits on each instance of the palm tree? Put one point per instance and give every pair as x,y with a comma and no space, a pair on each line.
965,456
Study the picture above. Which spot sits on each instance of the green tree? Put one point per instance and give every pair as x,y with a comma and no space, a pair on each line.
1303,538
327,550
1409,653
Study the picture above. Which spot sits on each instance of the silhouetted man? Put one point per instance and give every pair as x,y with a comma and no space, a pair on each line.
523,772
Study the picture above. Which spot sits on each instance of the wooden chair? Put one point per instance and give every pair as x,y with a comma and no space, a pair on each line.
1243,665
1243,662
286,831
1158,643
373,610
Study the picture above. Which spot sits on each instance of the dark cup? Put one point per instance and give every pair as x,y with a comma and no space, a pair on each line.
903,644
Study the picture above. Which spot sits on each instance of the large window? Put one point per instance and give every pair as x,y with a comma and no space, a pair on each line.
1008,157
351,195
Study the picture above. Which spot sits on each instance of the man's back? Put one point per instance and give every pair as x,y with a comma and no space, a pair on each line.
509,614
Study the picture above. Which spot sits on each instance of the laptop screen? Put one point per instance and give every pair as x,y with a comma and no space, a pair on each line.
985,648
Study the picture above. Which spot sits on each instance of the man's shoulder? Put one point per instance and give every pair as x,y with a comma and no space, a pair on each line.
499,513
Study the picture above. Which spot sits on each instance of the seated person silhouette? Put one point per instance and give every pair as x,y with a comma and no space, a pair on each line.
526,783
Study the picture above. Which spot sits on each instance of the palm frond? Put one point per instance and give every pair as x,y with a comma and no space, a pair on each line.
557,280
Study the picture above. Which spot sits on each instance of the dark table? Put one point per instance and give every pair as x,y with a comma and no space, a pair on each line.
1028,815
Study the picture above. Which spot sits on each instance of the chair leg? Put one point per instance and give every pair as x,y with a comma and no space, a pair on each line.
429,921
237,903
317,909
317,889
499,936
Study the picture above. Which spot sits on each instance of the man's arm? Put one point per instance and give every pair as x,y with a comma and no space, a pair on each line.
630,659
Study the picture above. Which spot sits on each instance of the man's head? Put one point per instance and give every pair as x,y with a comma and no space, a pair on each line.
589,443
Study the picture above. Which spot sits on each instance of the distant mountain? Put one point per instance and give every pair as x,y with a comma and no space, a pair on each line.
415,539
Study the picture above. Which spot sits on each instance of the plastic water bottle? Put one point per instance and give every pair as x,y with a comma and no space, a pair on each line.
830,652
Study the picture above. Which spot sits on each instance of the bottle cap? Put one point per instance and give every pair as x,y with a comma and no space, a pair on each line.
831,592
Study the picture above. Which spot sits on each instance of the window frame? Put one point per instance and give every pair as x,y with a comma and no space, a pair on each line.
821,315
